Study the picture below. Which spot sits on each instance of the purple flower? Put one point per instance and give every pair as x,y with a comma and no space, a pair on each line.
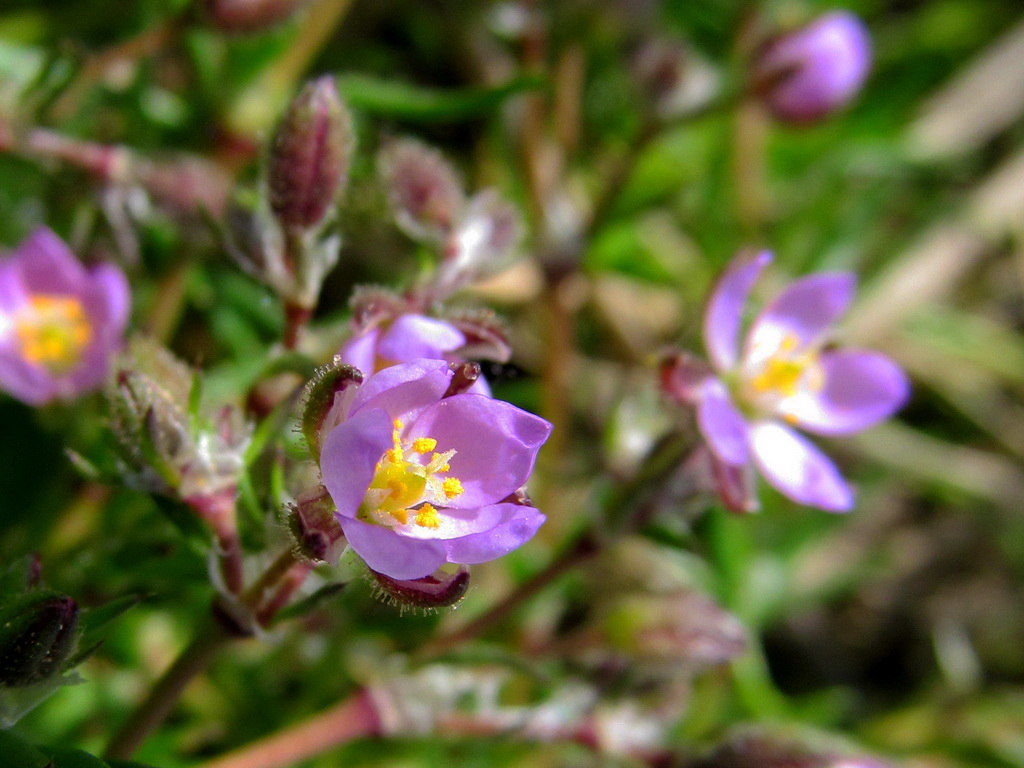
419,480
808,73
60,324
785,376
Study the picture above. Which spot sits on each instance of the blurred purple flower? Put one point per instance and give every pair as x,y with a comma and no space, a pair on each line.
391,330
60,324
786,376
419,480
807,74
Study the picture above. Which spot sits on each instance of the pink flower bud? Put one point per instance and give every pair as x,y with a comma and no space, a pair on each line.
250,15
424,190
439,590
310,156
811,72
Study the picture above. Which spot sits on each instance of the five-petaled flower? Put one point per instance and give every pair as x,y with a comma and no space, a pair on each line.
419,479
785,375
60,324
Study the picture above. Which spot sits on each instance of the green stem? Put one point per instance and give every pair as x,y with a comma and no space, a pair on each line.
168,689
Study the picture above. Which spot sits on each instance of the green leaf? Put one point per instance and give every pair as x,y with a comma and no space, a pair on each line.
17,754
403,100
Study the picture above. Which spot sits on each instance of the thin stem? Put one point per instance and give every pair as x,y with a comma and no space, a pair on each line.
274,573
291,582
164,695
354,717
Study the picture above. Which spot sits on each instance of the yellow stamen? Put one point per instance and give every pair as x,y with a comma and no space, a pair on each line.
400,515
424,444
452,487
53,331
427,517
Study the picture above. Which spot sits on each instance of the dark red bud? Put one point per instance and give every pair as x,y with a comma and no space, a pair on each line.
424,190
439,590
250,15
314,526
464,376
310,156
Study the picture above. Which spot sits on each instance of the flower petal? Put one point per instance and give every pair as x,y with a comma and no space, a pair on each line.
803,312
391,553
29,383
415,336
47,265
721,423
724,313
860,389
350,455
798,469
360,351
518,525
112,286
404,390
496,445
456,523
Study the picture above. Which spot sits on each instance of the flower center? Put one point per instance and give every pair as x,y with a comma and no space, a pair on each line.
785,373
408,482
53,331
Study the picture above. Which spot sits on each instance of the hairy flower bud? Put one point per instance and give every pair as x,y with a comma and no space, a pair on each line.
37,636
321,399
425,192
807,74
250,15
310,155
314,526
439,590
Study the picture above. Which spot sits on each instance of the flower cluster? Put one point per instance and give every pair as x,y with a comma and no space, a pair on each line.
60,323
785,375
419,479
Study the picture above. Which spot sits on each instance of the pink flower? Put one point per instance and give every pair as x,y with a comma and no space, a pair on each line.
815,70
419,479
60,324
785,376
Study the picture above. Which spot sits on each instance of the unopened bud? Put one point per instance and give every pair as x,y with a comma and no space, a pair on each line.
681,376
464,376
439,590
320,399
314,526
755,748
482,243
485,334
185,183
807,74
250,15
310,156
425,192
682,627
37,637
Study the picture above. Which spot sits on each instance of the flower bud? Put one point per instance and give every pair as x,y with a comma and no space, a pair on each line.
321,399
425,192
681,375
805,75
486,337
310,156
681,627
314,526
439,590
37,637
250,15
481,244
757,748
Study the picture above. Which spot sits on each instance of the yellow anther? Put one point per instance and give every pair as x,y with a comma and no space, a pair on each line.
400,515
781,376
395,455
424,444
427,517
452,487
398,488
